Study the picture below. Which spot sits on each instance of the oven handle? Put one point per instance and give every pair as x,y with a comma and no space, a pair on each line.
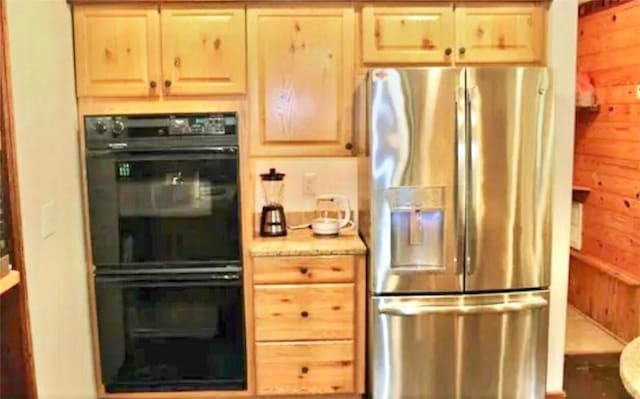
229,152
173,280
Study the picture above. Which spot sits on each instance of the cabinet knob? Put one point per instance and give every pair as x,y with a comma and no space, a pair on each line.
303,270
462,50
304,313
448,51
348,146
153,84
167,83
304,370
614,17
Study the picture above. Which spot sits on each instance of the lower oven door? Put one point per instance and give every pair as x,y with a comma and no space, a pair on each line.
486,346
171,331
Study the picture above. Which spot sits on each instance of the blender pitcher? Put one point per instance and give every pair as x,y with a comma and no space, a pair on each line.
272,220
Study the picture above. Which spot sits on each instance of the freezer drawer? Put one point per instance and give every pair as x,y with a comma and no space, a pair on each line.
466,346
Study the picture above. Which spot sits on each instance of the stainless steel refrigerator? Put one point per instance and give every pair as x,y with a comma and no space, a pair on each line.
456,210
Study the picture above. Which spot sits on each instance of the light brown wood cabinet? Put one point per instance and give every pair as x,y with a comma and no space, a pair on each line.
499,34
203,49
147,51
309,319
440,33
117,50
301,79
408,34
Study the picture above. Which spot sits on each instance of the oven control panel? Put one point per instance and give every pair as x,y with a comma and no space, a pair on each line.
155,126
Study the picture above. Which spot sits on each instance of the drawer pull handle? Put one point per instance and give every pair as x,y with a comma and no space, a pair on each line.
304,313
304,270
305,370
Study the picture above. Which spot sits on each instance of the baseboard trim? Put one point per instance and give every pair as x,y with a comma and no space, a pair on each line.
556,395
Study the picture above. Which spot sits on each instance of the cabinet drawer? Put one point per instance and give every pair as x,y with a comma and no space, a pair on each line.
306,311
402,34
305,368
337,269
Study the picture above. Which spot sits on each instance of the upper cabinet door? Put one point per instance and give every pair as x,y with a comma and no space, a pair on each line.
301,79
494,34
203,49
401,34
117,50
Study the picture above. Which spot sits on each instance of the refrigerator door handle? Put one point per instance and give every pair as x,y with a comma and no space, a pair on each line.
472,118
461,171
415,308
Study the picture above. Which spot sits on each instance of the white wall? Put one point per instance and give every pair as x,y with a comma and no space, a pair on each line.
40,40
333,176
561,44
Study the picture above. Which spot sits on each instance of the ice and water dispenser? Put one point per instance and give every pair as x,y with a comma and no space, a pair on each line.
417,227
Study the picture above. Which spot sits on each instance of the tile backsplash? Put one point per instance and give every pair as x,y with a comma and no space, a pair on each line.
332,176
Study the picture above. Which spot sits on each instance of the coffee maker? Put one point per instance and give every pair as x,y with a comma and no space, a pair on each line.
272,221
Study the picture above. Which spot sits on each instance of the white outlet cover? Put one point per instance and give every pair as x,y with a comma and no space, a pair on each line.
48,220
309,184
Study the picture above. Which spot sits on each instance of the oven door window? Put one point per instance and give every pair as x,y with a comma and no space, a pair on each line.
164,209
170,335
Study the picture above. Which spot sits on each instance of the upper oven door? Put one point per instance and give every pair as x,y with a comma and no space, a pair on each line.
164,209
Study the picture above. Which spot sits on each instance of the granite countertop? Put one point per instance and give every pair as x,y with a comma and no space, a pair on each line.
304,243
630,368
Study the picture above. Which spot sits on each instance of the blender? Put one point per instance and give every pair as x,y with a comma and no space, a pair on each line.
272,221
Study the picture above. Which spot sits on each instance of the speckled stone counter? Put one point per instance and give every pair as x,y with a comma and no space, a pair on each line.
304,243
630,368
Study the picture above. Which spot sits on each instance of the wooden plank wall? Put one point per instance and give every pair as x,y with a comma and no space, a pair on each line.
607,154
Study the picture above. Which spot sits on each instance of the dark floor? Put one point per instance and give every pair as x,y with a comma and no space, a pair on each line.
593,377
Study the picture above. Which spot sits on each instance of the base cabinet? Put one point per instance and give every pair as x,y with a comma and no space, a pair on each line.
309,325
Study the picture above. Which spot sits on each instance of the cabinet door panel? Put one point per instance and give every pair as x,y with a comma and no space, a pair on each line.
407,34
301,73
203,49
305,368
117,50
490,33
304,312
303,269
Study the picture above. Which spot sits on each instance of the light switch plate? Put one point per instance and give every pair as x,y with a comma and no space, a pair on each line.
48,220
638,92
576,225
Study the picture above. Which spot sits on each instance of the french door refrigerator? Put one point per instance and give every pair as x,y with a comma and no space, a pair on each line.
457,216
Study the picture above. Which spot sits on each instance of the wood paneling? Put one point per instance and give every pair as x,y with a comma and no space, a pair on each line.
508,33
305,368
304,312
301,79
408,34
275,270
117,50
203,49
610,297
607,158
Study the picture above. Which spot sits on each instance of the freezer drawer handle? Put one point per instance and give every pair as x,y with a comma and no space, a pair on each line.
418,309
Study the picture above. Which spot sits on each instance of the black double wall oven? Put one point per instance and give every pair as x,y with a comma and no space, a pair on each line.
164,209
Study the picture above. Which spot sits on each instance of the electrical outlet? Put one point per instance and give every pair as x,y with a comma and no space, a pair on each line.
309,184
638,92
